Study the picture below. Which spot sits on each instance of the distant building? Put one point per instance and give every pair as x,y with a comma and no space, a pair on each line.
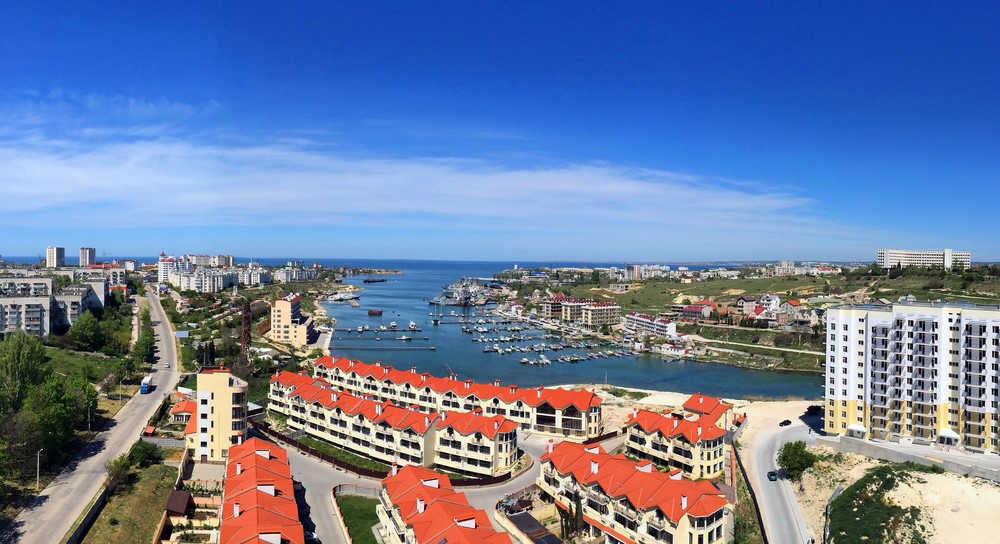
165,265
656,326
946,258
598,314
88,256
288,325
222,413
55,257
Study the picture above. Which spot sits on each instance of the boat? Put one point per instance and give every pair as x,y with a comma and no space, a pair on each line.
360,328
375,312
342,296
392,326
464,292
413,326
525,360
405,338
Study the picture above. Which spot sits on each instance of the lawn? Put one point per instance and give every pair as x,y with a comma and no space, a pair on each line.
359,516
131,514
89,366
343,455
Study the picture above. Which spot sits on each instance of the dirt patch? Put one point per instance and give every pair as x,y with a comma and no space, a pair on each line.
734,292
819,482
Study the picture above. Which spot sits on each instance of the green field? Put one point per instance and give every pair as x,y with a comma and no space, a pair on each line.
359,516
89,366
343,455
132,513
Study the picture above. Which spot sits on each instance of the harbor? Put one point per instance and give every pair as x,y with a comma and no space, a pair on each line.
458,336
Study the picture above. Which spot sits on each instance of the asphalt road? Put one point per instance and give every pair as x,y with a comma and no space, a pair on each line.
57,507
783,521
318,479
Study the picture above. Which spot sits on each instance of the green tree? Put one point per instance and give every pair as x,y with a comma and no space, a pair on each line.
794,459
21,358
118,472
143,454
87,333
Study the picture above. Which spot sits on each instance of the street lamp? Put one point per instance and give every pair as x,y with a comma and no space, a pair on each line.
38,466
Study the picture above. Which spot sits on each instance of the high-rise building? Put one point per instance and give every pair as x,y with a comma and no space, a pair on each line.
946,258
914,370
55,257
288,325
88,256
221,419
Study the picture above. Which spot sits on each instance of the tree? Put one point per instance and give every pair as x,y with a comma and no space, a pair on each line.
143,454
86,332
794,459
21,358
118,472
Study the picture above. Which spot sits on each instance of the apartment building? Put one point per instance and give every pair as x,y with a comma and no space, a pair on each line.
259,497
598,314
555,411
691,441
466,442
253,275
30,304
551,308
288,325
631,502
647,324
55,257
420,506
291,273
572,309
221,419
925,371
88,256
946,258
165,265
203,281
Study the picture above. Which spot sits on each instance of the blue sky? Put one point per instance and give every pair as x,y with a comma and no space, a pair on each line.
529,131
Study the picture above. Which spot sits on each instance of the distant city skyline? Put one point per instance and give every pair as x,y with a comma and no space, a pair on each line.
542,132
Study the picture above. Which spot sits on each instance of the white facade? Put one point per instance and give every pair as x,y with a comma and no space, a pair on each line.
203,281
88,256
290,274
657,326
55,257
166,265
947,258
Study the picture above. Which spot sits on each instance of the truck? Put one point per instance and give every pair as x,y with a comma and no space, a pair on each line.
146,386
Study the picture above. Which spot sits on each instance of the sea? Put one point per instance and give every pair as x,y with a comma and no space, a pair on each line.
404,298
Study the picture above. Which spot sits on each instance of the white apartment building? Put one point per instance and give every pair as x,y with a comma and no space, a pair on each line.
221,261
946,258
647,324
924,371
165,265
55,257
203,281
597,314
254,275
290,274
88,256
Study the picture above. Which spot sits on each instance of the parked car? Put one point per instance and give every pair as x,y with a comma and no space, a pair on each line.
311,538
772,475
785,423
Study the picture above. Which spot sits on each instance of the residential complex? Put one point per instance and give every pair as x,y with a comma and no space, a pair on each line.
914,371
30,304
691,441
288,325
88,256
946,258
419,506
575,414
466,442
220,422
55,257
630,502
598,314
259,497
647,324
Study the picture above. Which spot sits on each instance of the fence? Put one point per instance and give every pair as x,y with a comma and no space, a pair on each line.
603,437
89,516
163,442
349,489
753,496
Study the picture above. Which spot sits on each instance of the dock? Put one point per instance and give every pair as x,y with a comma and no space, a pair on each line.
388,348
354,303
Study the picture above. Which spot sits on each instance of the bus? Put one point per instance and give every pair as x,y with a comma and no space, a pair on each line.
146,385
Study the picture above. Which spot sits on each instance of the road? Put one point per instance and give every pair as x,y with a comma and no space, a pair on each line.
318,479
57,507
783,520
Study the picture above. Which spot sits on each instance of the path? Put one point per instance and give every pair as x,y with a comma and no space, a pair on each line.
713,341
55,510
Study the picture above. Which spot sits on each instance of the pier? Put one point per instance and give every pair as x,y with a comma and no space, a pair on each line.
388,348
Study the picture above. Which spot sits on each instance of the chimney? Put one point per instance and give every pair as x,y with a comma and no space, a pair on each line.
540,391
334,396
444,416
427,421
644,466
413,369
468,384
513,388
421,505
423,377
675,422
699,430
496,382
378,363
468,523
236,509
701,399
378,409
549,446
635,412
593,467
239,469
395,468
496,425
350,364
677,475
684,502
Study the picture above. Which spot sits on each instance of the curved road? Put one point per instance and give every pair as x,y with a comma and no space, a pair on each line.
57,507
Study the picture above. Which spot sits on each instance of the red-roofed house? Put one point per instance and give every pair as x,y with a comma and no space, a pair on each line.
631,502
419,506
182,411
258,498
561,412
696,311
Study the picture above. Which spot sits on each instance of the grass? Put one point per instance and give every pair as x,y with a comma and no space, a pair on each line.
343,455
89,366
359,516
747,526
863,514
131,514
620,392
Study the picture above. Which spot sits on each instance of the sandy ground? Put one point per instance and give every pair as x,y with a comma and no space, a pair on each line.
954,509
733,292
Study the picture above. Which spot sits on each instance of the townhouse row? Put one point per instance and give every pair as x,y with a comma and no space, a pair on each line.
554,411
464,442
258,497
691,441
631,502
420,506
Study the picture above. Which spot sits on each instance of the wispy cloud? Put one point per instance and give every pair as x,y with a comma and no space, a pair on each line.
134,173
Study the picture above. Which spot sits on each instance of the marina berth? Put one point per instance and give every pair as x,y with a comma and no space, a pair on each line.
555,411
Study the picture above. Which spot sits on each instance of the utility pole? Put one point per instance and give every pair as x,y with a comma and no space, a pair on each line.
38,466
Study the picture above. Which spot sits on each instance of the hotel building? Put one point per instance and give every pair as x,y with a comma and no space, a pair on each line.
923,371
598,314
946,258
466,442
259,497
572,309
419,506
221,418
556,411
691,441
631,502
288,325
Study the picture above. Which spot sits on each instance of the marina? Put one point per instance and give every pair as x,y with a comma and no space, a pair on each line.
454,333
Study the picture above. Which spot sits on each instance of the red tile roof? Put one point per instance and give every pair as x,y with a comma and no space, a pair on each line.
709,408
184,407
428,503
673,425
259,496
642,486
472,422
